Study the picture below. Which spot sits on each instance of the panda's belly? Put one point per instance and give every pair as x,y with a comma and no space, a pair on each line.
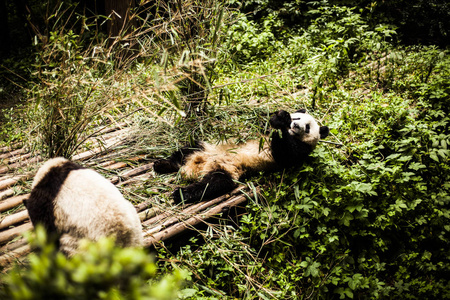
236,160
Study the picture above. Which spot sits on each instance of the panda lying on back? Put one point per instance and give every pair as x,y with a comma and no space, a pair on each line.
296,135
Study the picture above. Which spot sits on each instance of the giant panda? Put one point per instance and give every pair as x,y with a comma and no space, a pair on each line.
74,203
219,166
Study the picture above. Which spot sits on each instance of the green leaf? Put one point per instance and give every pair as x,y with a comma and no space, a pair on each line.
434,156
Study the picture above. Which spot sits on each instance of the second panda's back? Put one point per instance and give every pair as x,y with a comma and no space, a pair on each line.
89,206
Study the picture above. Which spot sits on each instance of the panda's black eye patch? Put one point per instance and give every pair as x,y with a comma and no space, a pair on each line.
295,119
307,128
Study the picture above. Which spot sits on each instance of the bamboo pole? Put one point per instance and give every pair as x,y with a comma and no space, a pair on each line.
14,255
97,150
188,212
195,220
148,213
12,246
12,202
14,219
19,158
12,233
7,168
10,153
131,173
6,183
6,194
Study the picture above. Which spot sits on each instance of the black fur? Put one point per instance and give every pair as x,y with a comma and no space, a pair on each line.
324,132
287,150
212,185
280,120
40,204
176,160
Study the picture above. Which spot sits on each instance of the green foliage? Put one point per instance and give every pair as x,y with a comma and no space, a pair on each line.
70,90
12,130
249,41
191,43
99,271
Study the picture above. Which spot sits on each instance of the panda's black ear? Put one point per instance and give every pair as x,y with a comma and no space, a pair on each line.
302,110
324,131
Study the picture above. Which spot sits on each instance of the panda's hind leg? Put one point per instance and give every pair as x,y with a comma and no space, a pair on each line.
215,183
176,160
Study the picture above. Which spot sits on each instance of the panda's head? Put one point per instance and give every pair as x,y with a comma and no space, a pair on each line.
305,128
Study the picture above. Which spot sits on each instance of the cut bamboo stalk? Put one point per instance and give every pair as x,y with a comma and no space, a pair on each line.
12,233
12,246
5,169
144,205
100,149
137,171
195,220
107,128
19,158
188,212
11,153
149,213
117,165
14,219
6,194
4,184
134,172
123,164
11,256
12,202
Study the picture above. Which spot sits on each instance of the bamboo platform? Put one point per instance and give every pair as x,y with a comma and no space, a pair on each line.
159,221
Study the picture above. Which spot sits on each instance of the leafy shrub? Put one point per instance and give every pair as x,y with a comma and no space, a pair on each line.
72,86
249,41
100,271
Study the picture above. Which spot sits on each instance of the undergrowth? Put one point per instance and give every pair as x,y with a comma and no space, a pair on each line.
367,217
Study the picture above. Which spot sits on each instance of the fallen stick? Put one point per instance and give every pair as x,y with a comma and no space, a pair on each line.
19,164
148,213
191,210
11,153
6,194
12,246
179,227
19,158
99,149
4,184
14,255
12,233
123,164
12,202
14,219
134,172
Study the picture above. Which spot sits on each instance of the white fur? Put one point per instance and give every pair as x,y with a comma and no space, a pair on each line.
89,206
298,128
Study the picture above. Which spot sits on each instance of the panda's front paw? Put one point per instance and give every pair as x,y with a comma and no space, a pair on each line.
164,166
177,195
182,195
280,120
